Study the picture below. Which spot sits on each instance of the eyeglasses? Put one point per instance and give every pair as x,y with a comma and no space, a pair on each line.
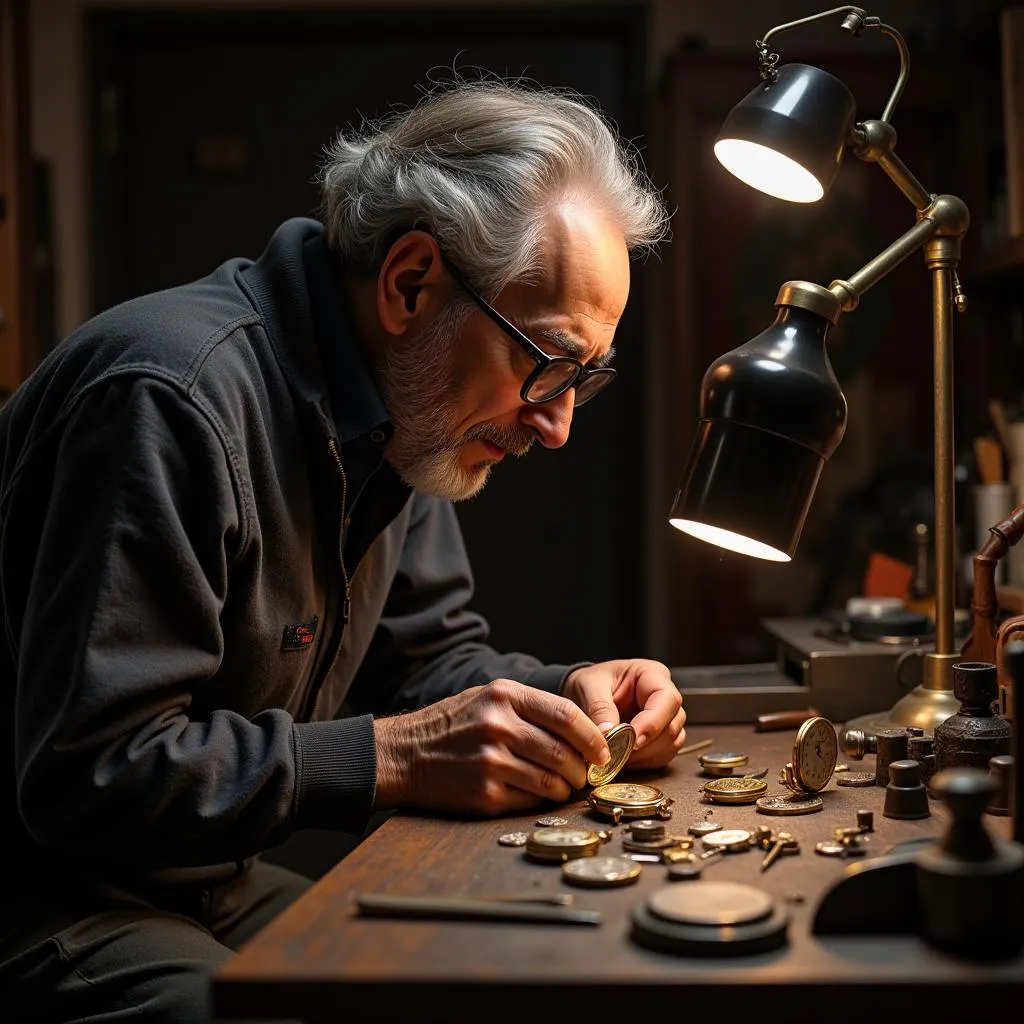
553,375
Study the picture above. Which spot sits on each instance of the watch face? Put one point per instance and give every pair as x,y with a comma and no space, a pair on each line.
815,753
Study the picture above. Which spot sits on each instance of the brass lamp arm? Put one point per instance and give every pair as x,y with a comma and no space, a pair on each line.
945,215
856,19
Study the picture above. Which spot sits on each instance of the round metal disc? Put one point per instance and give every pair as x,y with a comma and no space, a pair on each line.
856,779
601,871
551,820
735,790
830,849
790,803
711,903
699,940
620,740
513,839
729,839
703,828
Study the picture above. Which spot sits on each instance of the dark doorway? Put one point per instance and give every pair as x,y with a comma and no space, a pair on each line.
208,129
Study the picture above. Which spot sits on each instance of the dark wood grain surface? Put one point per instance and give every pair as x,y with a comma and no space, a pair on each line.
318,959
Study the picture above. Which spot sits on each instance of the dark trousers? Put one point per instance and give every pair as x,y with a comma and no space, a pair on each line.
79,950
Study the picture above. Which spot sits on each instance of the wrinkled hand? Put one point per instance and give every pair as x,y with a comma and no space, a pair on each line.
488,750
637,691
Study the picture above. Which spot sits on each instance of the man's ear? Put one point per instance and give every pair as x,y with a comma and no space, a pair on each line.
412,286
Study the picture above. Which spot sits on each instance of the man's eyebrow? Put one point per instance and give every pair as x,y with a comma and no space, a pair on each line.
572,347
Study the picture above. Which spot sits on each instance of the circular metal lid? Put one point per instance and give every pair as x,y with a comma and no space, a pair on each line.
711,903
601,871
724,759
620,740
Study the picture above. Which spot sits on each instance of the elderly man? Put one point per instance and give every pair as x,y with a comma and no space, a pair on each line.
229,554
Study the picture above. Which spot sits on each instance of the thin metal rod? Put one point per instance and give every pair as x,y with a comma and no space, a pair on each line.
945,529
904,74
905,180
808,20
873,271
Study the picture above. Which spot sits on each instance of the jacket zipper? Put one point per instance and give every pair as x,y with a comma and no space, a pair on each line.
346,606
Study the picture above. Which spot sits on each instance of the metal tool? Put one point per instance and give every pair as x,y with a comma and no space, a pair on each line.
441,908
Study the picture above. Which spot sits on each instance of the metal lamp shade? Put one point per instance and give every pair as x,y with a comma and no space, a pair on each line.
771,414
787,137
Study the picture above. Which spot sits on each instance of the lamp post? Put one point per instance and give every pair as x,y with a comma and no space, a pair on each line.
771,411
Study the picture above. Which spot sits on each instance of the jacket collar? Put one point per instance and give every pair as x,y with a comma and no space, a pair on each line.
294,286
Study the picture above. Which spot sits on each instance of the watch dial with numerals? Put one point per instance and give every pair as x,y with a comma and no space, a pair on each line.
815,753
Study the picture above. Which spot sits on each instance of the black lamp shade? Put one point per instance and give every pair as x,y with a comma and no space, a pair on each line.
771,414
806,115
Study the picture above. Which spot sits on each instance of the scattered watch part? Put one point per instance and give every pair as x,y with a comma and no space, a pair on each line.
644,858
731,840
601,871
866,820
649,846
702,828
836,849
677,854
551,820
841,768
685,870
513,839
757,773
790,803
620,739
646,830
856,779
734,790
722,763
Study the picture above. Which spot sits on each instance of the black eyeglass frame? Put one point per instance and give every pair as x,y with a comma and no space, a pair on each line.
539,356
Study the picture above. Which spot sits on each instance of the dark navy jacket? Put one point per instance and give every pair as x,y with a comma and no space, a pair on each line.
178,684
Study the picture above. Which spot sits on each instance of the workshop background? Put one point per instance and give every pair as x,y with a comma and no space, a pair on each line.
143,143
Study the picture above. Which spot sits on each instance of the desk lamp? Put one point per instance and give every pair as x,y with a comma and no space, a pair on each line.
771,411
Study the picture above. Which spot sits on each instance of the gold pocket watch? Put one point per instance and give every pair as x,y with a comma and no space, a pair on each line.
815,752
620,800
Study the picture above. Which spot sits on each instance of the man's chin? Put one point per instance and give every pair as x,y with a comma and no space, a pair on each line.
452,482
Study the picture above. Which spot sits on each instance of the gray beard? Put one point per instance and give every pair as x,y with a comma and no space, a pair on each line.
420,392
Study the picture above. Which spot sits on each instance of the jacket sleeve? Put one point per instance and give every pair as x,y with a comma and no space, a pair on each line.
428,644
120,635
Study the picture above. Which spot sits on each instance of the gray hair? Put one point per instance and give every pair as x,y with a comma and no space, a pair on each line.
477,165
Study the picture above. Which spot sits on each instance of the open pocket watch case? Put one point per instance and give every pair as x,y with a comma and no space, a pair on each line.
618,800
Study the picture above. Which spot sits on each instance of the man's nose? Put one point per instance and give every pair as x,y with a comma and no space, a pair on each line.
550,421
